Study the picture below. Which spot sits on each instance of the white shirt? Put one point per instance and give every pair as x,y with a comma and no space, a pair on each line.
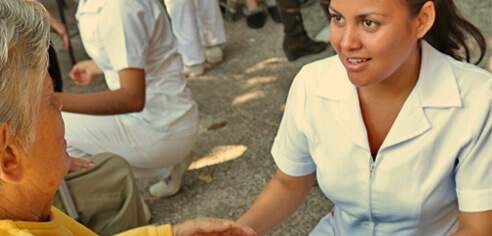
435,161
120,34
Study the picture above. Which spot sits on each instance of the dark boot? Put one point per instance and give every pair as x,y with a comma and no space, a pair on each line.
296,41
301,45
254,18
273,11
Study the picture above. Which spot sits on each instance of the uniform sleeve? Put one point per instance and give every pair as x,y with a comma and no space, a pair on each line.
125,33
474,172
163,230
291,149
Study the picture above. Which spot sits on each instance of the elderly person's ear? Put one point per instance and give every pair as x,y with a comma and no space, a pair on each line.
10,164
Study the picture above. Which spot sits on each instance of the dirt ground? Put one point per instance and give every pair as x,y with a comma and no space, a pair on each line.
248,91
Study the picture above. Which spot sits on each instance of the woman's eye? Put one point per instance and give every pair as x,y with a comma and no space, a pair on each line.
337,18
369,24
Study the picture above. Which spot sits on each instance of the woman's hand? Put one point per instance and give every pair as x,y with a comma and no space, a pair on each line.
211,227
79,164
83,72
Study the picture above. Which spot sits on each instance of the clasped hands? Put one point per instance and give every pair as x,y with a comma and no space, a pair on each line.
211,227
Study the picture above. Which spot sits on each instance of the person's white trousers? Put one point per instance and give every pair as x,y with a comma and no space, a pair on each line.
196,24
88,135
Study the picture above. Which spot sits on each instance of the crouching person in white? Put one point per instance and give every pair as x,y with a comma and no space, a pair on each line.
148,116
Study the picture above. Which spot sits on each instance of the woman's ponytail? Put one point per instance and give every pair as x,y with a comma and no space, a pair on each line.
450,29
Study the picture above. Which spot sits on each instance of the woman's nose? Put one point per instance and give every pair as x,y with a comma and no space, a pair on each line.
350,39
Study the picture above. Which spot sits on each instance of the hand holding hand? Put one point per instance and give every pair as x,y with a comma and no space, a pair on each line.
79,164
211,227
83,72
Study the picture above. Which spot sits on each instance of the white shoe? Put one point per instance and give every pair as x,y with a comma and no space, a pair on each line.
214,54
194,70
171,185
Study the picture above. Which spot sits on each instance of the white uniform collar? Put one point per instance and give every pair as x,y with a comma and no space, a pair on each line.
335,85
436,86
90,6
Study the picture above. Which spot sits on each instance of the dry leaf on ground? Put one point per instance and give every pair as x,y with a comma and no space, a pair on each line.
217,125
205,178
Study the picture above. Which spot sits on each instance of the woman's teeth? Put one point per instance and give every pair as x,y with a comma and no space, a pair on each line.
356,61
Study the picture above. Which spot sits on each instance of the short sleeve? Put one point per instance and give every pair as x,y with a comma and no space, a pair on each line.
291,149
473,173
125,34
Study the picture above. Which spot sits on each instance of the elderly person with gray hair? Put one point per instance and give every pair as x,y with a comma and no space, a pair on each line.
33,157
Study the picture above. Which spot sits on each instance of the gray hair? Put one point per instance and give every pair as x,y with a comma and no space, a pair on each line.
24,41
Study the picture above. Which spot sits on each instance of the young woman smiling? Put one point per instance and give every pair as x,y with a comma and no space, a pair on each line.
396,130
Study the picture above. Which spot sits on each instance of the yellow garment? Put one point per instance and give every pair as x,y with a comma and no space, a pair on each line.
62,225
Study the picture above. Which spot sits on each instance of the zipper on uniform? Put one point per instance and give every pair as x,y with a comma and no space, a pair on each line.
371,173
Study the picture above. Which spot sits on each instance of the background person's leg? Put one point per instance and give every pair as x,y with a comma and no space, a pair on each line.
296,40
211,26
185,28
87,135
111,197
253,12
210,21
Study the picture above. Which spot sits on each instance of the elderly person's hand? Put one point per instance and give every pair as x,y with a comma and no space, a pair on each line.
211,227
79,164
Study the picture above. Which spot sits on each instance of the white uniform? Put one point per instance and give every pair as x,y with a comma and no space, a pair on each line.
135,34
196,24
435,161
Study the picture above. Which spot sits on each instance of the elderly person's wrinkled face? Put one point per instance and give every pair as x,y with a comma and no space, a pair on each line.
46,161
33,157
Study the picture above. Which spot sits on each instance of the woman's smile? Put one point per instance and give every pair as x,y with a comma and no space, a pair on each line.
356,64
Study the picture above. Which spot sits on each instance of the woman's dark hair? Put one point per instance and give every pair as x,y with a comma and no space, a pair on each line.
448,34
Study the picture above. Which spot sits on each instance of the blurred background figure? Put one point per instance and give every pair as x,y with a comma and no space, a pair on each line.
199,30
